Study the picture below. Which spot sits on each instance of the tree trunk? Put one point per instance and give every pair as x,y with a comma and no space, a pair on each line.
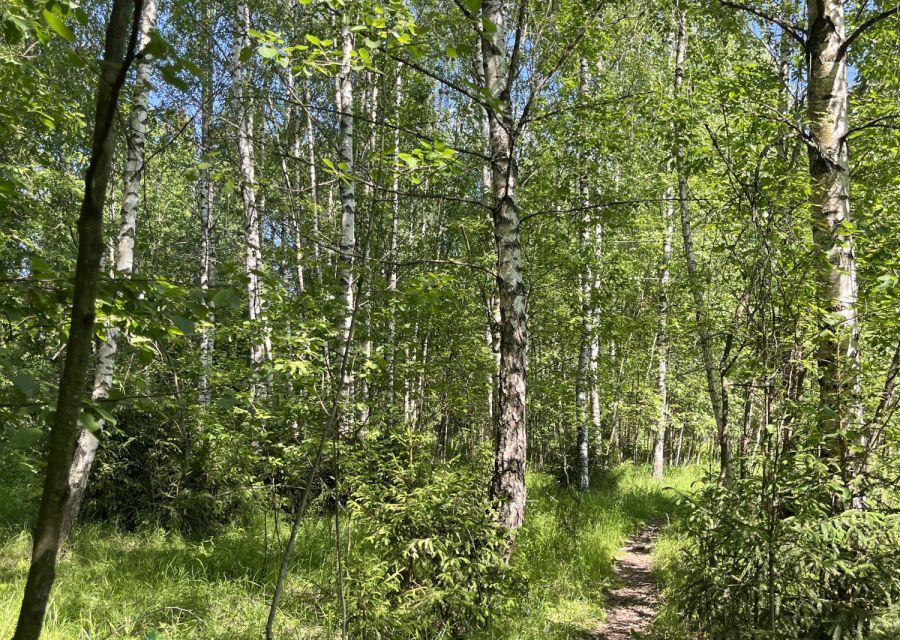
344,98
583,384
840,417
662,338
694,277
393,240
260,343
86,449
207,247
47,536
508,482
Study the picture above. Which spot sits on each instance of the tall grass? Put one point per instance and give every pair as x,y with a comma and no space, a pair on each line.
567,547
155,584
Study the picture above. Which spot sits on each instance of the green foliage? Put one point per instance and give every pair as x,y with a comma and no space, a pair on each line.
776,563
430,560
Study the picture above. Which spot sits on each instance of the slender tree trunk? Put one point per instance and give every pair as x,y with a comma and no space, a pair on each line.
508,482
583,384
344,98
595,336
260,343
207,246
393,240
746,431
840,404
313,182
86,448
292,182
694,277
371,110
47,535
662,338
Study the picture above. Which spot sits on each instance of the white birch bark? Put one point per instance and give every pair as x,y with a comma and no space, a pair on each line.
86,448
583,383
260,342
347,249
662,338
838,355
508,482
207,247
395,228
313,182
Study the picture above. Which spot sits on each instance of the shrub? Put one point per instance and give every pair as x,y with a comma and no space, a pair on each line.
431,560
767,560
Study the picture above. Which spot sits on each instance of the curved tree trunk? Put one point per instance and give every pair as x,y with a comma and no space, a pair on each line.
117,57
86,449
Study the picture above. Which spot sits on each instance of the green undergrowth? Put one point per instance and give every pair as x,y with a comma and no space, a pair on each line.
154,584
568,544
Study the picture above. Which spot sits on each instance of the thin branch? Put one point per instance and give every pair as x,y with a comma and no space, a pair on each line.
876,122
865,26
794,31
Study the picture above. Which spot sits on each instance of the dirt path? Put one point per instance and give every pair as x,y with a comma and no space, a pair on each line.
632,607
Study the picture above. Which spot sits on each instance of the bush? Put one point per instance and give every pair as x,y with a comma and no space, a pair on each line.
431,560
775,561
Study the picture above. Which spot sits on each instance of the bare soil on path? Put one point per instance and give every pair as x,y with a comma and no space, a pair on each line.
631,608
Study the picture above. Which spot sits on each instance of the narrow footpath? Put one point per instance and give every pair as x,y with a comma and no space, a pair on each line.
631,608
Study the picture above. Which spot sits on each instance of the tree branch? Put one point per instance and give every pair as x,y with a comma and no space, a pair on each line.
794,31
865,26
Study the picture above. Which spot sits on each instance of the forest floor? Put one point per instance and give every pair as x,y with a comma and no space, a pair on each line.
632,607
155,583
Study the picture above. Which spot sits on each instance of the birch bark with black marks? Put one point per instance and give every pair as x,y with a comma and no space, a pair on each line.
107,349
347,247
713,377
840,419
370,107
313,182
260,342
394,231
586,278
508,481
119,47
662,336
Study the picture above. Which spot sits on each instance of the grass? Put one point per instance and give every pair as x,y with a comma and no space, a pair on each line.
568,544
154,584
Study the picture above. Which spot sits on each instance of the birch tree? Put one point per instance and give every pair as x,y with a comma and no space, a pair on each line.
119,51
662,336
508,481
205,192
347,247
107,349
714,385
260,342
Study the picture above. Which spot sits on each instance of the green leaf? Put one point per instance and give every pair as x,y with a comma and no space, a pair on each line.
186,326
24,438
267,52
472,5
170,75
88,422
27,385
55,22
